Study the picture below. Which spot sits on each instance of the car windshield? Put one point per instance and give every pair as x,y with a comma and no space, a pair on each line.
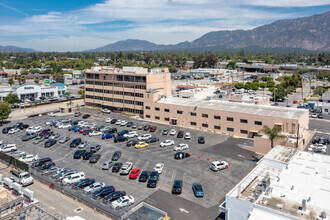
119,200
153,177
133,172
26,175
198,187
158,167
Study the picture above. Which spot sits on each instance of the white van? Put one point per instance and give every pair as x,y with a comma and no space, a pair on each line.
73,178
23,178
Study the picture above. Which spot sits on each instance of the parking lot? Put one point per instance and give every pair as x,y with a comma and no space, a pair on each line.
193,169
320,135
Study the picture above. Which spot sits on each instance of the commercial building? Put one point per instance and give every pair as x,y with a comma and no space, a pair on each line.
286,184
126,89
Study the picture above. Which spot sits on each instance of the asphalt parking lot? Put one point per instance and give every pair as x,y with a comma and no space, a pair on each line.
190,170
320,135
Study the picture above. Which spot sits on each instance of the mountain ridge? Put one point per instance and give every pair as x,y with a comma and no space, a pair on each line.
14,49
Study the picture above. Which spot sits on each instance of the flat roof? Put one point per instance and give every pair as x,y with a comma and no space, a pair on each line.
246,108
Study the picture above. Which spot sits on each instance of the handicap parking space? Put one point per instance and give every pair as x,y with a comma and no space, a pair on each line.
193,169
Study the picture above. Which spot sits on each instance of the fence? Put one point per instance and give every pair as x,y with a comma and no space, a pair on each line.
78,194
12,160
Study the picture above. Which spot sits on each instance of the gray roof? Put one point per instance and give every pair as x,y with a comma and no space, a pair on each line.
326,95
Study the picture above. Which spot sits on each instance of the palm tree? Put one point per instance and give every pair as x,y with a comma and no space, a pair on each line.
23,79
272,134
19,79
36,80
11,81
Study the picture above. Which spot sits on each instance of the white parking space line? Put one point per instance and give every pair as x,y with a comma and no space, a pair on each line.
137,163
163,173
173,175
130,159
183,178
145,165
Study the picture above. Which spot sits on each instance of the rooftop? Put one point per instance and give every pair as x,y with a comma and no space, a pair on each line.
127,70
273,111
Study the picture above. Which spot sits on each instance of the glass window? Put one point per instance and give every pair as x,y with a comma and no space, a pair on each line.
166,110
147,116
193,123
217,127
157,109
179,112
257,122
245,121
244,131
230,129
217,117
157,117
147,107
205,115
193,113
205,125
230,119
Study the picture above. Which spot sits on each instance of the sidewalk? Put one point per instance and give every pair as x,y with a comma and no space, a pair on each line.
57,201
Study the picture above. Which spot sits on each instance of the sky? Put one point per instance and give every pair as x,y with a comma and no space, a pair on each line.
77,25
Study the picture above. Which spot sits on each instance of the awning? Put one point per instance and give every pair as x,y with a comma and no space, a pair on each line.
280,124
254,131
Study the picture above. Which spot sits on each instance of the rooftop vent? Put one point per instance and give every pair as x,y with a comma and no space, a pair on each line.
323,215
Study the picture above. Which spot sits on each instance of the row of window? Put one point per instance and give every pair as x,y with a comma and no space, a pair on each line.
115,92
218,117
122,85
119,78
131,110
114,100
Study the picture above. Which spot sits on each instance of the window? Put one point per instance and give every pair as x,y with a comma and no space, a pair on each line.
205,115
217,127
147,116
258,122
205,125
245,121
193,113
147,107
193,123
157,109
157,117
179,112
167,119
230,129
244,131
166,110
217,117
230,119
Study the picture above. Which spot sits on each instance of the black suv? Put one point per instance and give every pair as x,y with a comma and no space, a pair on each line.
153,179
116,167
83,183
103,192
113,196
75,142
144,176
201,140
95,148
50,142
180,134
120,139
177,187
87,155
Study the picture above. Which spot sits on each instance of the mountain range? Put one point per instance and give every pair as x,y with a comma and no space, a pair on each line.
308,33
13,49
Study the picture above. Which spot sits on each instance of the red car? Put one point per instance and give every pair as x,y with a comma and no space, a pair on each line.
134,173
82,130
295,102
153,128
42,133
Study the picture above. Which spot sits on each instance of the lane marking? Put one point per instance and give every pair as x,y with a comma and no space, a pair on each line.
137,163
173,175
163,173
183,210
130,158
145,165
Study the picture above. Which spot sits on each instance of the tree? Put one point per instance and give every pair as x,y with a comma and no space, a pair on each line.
263,86
34,71
319,90
5,110
67,93
272,134
58,77
23,79
248,85
19,79
11,81
70,103
231,65
81,92
11,98
173,69
239,85
36,80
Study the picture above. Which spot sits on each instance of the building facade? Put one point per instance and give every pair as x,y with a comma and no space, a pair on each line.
126,89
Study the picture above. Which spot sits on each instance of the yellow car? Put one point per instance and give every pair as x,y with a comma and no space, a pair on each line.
141,145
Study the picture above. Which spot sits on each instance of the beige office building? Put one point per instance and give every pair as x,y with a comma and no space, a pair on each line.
126,89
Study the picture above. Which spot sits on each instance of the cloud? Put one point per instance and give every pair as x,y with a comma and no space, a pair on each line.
159,21
14,9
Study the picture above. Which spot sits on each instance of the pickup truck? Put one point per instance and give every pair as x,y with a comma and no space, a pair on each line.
23,178
123,202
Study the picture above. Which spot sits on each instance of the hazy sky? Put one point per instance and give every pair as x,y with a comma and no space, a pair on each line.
75,25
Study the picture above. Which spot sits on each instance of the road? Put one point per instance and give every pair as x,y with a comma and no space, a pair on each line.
321,125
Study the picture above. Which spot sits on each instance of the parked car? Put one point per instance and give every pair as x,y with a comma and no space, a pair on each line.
13,130
29,136
144,176
140,127
180,134
64,139
177,187
129,124
48,134
17,154
164,132
131,134
84,183
201,140
172,132
54,136
94,148
113,196
7,148
29,158
113,121
116,155
134,173
118,122
94,158
167,143
107,164
104,191
123,132
120,139
107,136
41,161
46,165
152,140
219,165
146,127
86,116
116,167
141,144
144,137
181,155
50,142
95,133
198,189
106,111
83,144
314,115
38,139
123,123
87,155
153,129
93,187
111,130
123,202
73,178
131,143
153,179
77,114
134,125
320,115
187,136
78,154
126,168
6,130
108,120
75,142
181,147
159,167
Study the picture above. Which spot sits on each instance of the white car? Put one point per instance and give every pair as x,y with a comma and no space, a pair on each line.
131,134
33,130
144,137
51,114
167,143
181,147
219,165
29,158
81,123
123,123
159,167
92,188
73,178
123,202
108,120
83,144
1,141
118,122
187,136
172,132
95,133
105,110
49,122
320,150
64,125
13,130
7,148
314,115
126,168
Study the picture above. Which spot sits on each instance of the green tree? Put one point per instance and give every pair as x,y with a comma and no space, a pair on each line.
81,92
239,85
36,80
319,90
23,79
5,110
24,72
231,65
11,81
67,93
270,84
19,79
272,134
248,85
58,77
11,98
34,71
173,69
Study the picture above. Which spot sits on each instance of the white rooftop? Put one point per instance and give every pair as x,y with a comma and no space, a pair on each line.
273,111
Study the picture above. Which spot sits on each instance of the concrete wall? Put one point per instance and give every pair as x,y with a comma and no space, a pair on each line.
237,209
